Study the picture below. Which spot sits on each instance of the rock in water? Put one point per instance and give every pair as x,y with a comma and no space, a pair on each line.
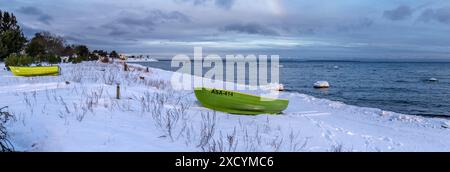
321,84
276,87
279,87
432,79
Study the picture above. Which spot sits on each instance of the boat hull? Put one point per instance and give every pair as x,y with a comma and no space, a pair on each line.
35,70
239,103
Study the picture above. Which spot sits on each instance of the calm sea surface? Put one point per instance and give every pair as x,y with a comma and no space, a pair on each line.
394,86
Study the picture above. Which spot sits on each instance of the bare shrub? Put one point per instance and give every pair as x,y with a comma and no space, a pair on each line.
337,148
110,77
89,104
249,141
232,141
26,100
80,112
146,102
76,76
188,134
5,144
64,104
158,84
276,143
207,130
294,145
166,119
215,145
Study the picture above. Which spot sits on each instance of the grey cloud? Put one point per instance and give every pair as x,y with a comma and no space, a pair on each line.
400,13
441,15
99,41
123,25
154,17
224,4
45,19
306,31
29,31
159,16
29,10
195,2
355,25
72,38
300,30
117,32
250,28
136,22
41,16
140,27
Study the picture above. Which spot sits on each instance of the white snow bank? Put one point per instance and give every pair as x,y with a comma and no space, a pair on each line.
85,116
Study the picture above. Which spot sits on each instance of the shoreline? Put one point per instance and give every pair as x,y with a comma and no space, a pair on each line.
137,64
43,124
142,67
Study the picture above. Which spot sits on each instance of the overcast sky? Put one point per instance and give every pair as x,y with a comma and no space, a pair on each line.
319,29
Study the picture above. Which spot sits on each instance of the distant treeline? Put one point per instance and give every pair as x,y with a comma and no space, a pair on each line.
16,50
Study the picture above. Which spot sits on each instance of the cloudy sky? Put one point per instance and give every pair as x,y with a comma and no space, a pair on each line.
313,29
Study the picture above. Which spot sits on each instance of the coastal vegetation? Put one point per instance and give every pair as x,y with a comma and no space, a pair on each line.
12,39
43,47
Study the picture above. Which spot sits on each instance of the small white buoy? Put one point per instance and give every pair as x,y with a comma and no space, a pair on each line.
336,67
321,84
432,79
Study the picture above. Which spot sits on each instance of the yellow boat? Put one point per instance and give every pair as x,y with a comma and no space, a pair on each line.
35,70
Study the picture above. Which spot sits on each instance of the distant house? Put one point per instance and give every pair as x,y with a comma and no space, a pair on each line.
65,59
69,57
123,57
104,59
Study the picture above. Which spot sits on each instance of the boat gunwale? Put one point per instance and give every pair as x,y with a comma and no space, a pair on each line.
245,94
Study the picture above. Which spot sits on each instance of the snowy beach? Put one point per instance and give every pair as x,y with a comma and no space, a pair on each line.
78,111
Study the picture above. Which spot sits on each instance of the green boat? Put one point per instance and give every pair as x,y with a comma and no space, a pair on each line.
35,70
239,103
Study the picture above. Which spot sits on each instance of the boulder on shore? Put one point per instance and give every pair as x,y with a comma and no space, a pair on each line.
321,84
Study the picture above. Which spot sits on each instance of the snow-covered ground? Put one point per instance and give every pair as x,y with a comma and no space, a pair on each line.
78,111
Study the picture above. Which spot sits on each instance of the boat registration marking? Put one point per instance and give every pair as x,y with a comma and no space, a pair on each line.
221,92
